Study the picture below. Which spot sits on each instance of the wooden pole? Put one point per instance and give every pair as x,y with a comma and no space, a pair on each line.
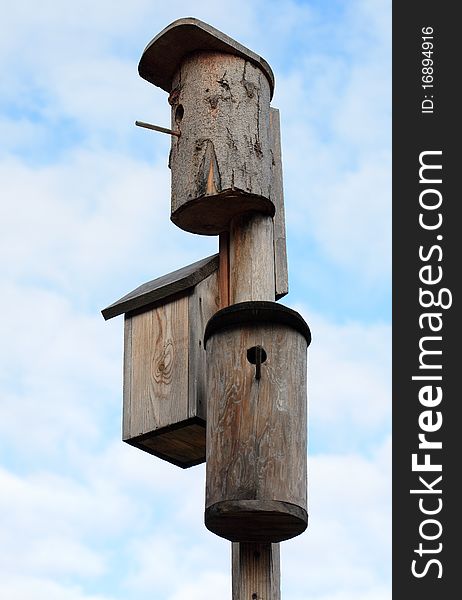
256,571
226,169
223,269
251,259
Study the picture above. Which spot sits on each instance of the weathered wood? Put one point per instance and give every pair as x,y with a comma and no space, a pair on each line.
226,163
203,303
256,571
159,344
127,379
163,55
182,445
162,287
256,520
164,374
277,194
256,428
251,258
157,128
223,269
222,162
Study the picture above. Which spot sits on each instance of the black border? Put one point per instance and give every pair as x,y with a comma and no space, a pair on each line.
413,133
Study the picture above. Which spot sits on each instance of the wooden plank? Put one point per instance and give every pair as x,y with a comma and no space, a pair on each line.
163,287
251,259
157,394
277,195
203,304
223,269
165,53
183,446
127,383
256,571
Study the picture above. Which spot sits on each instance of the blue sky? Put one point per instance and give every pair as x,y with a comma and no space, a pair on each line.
85,218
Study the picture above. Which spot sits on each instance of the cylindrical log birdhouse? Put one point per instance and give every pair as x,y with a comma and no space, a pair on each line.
256,477
221,163
220,93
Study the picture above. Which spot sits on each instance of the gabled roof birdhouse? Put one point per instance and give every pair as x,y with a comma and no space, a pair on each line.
164,407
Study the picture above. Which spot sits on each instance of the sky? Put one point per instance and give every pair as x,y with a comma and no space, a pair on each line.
84,218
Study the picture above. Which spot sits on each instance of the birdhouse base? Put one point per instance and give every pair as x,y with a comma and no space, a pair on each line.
256,520
212,214
182,444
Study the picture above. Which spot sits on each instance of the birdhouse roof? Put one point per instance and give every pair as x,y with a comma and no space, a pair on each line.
163,287
164,54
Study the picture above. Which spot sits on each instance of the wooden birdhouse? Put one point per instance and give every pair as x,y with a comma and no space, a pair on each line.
256,423
209,356
219,91
164,407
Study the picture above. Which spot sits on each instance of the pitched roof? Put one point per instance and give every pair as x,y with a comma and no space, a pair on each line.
163,287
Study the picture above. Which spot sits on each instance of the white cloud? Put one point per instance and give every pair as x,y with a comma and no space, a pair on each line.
170,563
55,556
50,525
78,224
335,109
346,550
47,504
207,586
35,588
58,372
349,377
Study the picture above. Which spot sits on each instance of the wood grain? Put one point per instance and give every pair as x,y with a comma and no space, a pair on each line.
256,571
256,431
251,258
223,269
203,304
162,287
157,365
127,427
256,520
164,375
222,162
277,194
183,445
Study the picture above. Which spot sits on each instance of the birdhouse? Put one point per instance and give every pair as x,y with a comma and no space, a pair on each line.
256,474
164,407
221,156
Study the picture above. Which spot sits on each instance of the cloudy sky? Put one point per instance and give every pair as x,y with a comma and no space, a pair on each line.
84,218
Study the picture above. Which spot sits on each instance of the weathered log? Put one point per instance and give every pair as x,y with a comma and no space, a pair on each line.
222,162
256,422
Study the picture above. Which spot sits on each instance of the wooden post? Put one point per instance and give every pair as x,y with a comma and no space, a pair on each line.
251,259
223,269
256,571
256,567
255,564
